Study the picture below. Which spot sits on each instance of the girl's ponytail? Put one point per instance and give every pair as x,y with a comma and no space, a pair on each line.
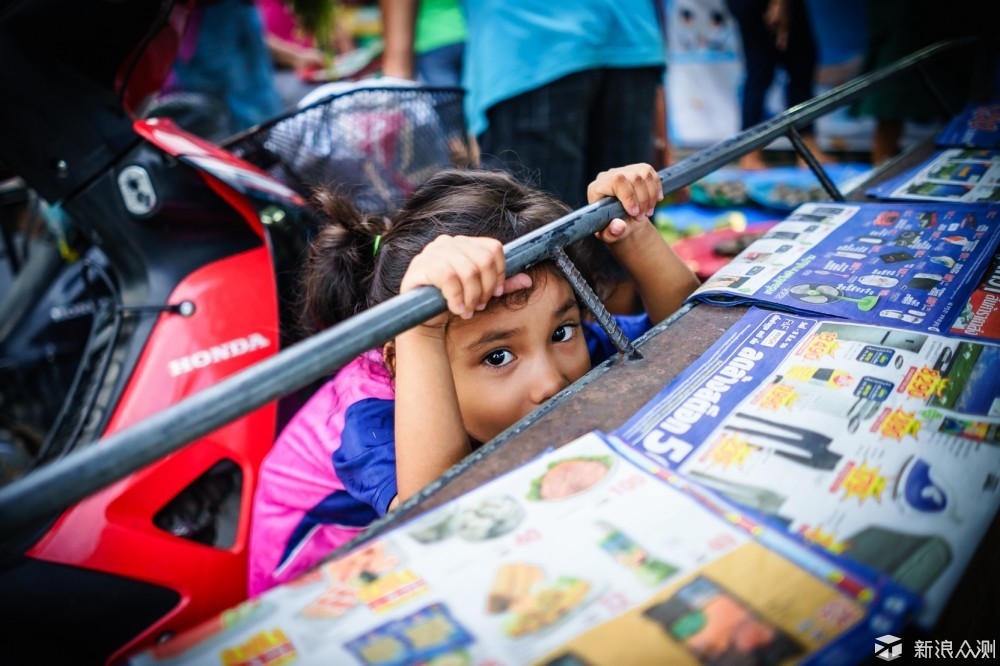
341,262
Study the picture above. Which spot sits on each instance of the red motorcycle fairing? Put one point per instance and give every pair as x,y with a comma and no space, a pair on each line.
239,174
114,530
109,576
149,64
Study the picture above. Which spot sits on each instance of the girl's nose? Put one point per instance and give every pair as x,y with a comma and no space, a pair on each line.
548,381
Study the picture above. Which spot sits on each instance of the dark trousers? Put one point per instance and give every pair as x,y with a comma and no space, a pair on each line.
561,135
762,57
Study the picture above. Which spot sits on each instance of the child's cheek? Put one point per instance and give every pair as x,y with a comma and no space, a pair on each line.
580,361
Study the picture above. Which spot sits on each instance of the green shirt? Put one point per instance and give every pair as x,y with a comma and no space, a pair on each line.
439,23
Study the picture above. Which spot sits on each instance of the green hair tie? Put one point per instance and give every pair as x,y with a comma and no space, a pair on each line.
378,241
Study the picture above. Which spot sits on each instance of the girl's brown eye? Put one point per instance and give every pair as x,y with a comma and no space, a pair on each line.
564,333
498,358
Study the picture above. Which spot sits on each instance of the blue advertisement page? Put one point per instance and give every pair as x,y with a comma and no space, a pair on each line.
956,175
905,265
878,444
977,126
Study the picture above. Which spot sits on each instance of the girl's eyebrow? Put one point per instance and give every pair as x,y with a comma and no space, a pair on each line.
497,335
566,307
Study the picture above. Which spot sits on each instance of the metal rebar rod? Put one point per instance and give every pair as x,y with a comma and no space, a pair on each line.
594,304
935,92
48,490
800,146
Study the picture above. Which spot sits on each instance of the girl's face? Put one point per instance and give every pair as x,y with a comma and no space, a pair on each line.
508,361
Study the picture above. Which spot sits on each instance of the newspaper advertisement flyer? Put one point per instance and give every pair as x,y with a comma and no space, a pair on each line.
980,316
977,126
531,567
904,265
956,175
879,444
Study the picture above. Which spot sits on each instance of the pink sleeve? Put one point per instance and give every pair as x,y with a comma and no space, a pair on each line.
279,21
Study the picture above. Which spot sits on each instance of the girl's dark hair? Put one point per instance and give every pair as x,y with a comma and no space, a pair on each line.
345,275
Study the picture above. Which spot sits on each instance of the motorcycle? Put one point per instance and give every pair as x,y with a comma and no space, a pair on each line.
152,264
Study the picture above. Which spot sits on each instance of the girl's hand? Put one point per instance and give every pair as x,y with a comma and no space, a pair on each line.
430,431
638,187
663,281
468,271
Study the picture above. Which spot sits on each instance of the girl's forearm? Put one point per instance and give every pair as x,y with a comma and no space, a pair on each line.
430,435
661,278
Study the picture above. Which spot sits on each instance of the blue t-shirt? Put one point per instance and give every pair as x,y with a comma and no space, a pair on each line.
518,45
366,459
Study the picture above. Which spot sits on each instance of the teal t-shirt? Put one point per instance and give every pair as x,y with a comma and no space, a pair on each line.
518,45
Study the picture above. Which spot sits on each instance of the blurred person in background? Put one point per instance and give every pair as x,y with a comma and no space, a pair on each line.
424,41
293,50
775,32
556,91
223,56
562,89
897,28
559,90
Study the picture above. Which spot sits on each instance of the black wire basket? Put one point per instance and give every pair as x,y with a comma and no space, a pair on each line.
375,145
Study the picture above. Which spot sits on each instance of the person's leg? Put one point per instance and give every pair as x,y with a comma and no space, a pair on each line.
441,66
760,57
799,61
799,58
885,144
252,97
539,135
620,126
620,132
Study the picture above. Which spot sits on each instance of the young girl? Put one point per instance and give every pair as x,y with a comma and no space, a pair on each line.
396,418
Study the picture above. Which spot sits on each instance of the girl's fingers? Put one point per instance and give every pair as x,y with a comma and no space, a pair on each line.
516,282
610,183
637,186
468,271
624,188
646,184
655,188
487,255
451,288
594,192
441,265
464,281
614,231
644,193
